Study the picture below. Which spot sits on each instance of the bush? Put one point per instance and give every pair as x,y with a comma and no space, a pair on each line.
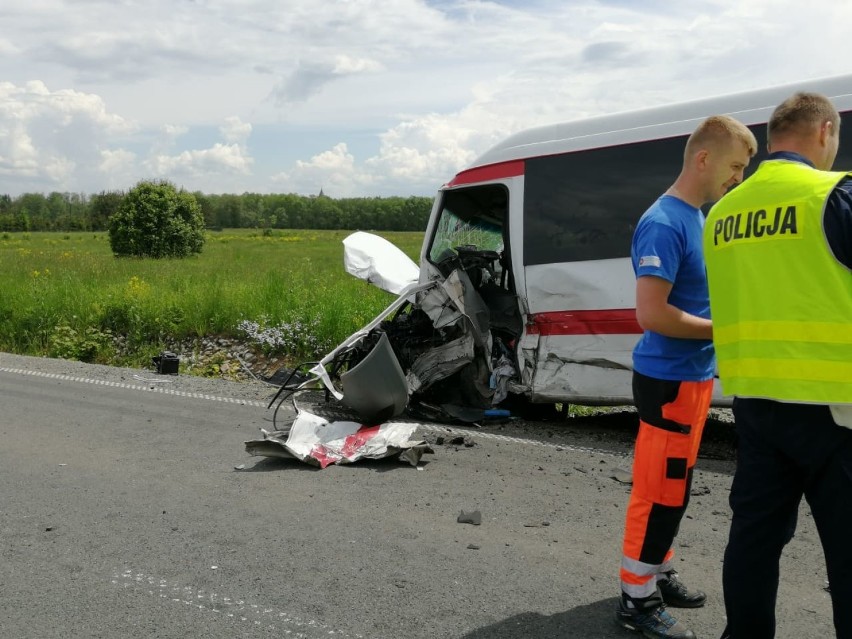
156,220
85,346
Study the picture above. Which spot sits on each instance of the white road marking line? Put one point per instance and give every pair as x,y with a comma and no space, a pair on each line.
147,389
237,609
437,428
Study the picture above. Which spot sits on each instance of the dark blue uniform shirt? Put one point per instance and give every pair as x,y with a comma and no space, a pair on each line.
837,221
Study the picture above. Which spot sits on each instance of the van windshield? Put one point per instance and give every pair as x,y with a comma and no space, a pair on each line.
470,218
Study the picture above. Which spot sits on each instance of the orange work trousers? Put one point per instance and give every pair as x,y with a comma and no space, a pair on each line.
671,420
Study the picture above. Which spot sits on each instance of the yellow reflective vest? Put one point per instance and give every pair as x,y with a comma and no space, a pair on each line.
781,303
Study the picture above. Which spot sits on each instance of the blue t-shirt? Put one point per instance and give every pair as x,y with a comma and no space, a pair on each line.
667,243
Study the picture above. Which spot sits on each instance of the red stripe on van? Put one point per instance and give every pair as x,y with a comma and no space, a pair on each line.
620,321
489,173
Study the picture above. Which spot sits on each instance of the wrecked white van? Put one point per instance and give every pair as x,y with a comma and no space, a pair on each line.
525,284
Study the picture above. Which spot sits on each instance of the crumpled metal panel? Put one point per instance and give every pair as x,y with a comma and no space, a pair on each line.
590,369
376,388
440,362
320,369
317,441
438,305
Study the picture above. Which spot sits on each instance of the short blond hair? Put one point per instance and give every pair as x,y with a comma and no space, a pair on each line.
801,114
719,131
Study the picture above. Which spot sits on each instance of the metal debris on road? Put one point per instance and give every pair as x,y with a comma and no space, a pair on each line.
473,517
622,476
320,442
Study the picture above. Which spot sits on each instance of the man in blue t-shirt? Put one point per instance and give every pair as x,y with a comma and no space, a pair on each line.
673,366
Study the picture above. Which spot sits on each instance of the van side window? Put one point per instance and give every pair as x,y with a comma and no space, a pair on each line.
585,205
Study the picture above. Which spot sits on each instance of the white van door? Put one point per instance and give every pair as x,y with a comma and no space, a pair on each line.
579,213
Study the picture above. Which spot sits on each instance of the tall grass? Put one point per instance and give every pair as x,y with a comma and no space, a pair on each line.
65,294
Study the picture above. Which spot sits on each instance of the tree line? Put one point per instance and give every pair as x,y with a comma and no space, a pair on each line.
80,212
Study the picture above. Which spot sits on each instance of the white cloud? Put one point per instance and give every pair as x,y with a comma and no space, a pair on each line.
7,47
310,75
219,159
347,65
428,150
58,168
34,100
18,156
172,131
332,171
117,171
222,164
235,130
118,161
165,139
52,138
403,93
613,60
334,160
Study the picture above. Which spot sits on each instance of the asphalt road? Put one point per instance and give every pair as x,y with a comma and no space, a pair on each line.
123,514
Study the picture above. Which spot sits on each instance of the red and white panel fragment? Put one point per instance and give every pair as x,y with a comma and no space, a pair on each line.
319,442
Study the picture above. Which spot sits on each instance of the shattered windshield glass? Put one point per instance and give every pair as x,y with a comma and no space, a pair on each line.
470,218
453,231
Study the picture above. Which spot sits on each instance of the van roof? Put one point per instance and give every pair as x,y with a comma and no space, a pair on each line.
751,107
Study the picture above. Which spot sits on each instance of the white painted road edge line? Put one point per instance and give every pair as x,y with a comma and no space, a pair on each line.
147,389
435,428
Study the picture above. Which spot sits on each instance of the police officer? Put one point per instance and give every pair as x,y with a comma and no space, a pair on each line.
779,262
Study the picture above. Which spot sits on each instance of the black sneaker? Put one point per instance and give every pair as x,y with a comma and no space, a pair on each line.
654,623
677,595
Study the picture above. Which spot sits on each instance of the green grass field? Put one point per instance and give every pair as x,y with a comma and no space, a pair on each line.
65,295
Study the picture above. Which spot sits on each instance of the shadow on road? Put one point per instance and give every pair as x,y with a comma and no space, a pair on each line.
595,620
275,464
611,430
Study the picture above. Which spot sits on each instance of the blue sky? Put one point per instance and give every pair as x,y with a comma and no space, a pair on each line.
359,97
